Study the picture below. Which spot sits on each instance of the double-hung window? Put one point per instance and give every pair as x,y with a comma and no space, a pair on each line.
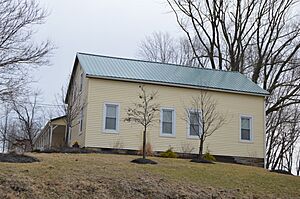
167,120
81,121
194,128
111,118
246,128
81,81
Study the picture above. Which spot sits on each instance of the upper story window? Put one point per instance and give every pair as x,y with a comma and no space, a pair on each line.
194,129
167,120
246,128
111,117
81,81
81,121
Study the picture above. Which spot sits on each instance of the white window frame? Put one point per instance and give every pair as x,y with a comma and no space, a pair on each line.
173,122
251,128
188,126
117,118
80,122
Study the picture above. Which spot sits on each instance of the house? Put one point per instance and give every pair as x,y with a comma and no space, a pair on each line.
52,135
109,85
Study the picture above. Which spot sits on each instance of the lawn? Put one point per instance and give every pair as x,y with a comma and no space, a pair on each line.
113,176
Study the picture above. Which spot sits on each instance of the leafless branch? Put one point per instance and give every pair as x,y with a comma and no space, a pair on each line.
143,112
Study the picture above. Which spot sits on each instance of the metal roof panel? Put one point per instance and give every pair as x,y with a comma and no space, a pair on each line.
104,66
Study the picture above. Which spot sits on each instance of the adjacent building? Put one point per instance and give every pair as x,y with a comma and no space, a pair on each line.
52,135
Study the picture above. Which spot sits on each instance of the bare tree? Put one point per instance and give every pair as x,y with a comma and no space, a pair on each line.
72,108
284,132
229,30
260,38
143,113
203,118
19,51
13,133
30,118
161,47
4,127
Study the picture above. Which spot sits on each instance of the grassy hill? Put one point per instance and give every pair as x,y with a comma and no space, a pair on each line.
113,176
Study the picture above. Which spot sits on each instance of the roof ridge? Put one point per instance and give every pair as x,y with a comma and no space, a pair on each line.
155,62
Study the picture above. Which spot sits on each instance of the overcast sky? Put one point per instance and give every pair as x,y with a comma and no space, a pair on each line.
107,27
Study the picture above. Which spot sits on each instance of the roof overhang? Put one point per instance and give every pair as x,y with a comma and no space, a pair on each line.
71,79
58,118
176,85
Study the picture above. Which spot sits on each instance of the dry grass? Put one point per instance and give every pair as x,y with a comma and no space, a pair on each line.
113,176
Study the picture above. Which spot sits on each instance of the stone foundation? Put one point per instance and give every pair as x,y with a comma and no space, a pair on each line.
251,161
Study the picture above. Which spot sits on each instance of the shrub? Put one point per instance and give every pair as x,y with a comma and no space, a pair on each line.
149,151
209,157
169,153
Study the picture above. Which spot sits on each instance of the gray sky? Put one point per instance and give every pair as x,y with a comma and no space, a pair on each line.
108,27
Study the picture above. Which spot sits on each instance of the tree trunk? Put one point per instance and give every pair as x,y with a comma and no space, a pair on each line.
200,155
5,133
67,134
144,144
31,144
3,145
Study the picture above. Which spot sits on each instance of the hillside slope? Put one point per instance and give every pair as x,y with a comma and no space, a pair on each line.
113,176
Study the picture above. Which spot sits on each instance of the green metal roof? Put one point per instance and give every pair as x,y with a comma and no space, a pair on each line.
160,73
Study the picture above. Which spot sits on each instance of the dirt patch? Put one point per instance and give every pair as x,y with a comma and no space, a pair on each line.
15,187
144,187
16,158
149,186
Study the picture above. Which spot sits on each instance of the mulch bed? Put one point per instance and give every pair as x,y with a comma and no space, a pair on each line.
197,160
16,158
143,161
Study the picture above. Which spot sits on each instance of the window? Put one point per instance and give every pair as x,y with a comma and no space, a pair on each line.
246,128
81,121
167,117
111,117
81,82
194,124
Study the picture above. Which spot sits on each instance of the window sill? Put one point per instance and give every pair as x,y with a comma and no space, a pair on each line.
167,135
193,137
246,141
106,131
